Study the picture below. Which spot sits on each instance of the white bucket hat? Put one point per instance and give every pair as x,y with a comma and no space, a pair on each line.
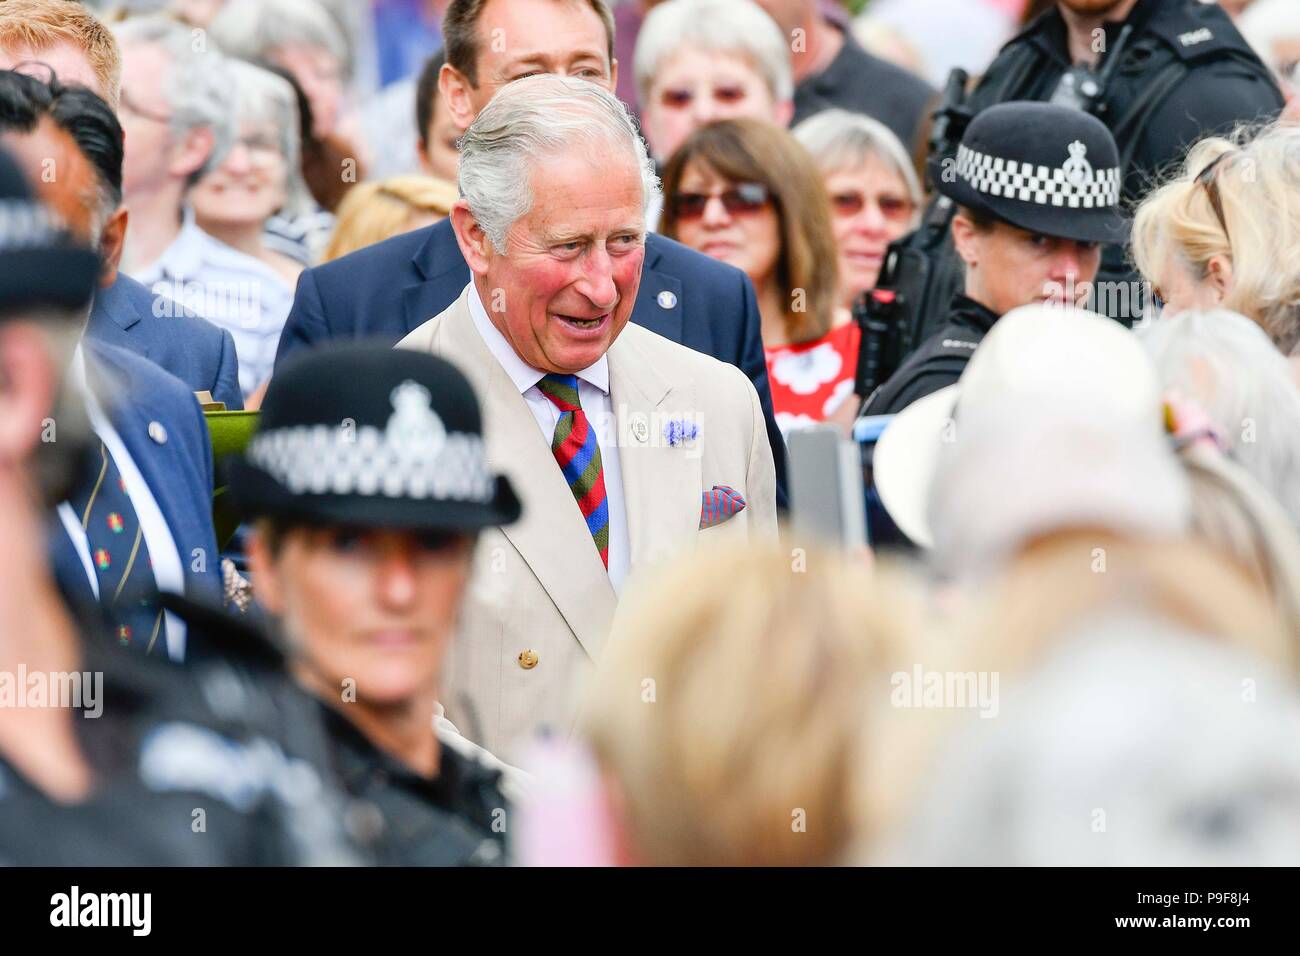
1056,420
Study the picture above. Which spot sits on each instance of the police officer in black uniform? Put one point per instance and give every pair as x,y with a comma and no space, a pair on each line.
367,484
1183,73
1037,189
109,757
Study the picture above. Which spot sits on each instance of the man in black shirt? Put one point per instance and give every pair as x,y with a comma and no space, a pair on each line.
1183,73
832,70
1037,189
367,484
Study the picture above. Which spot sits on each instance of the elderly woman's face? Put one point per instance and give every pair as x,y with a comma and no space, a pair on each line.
870,208
733,222
249,186
378,607
696,87
565,288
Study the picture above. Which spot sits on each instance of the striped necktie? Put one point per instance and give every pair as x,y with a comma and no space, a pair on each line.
127,589
575,448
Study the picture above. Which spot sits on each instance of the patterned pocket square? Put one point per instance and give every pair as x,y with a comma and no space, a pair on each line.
720,504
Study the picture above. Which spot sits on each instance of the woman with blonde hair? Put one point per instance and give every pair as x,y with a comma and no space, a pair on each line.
729,714
378,210
1225,232
746,192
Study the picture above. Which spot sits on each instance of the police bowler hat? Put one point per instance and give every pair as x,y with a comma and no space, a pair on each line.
367,436
1048,169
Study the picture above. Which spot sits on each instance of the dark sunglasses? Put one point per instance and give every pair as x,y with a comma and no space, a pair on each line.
893,208
740,199
1206,179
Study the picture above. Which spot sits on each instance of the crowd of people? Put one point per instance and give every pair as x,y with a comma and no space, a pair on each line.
394,406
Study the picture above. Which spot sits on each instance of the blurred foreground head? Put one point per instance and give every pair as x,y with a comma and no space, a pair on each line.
1134,742
729,714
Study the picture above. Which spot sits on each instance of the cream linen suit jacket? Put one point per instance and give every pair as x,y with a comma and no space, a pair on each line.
539,588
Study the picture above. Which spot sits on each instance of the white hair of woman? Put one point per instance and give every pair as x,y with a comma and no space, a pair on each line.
264,99
838,139
716,26
1229,366
253,29
532,120
1266,22
198,84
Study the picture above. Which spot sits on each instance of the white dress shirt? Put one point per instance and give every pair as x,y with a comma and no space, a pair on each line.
168,572
593,393
230,289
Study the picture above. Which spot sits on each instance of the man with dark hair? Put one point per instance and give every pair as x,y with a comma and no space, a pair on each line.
139,522
391,288
437,130
1037,189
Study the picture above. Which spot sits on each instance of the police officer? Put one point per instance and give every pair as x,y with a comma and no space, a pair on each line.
367,484
1183,72
109,757
1037,192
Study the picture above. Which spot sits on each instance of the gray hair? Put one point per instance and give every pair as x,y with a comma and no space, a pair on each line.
261,96
198,86
252,29
718,26
530,120
1265,22
838,139
1230,367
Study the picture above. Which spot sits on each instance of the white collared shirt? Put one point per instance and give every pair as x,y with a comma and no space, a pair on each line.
168,572
230,289
593,393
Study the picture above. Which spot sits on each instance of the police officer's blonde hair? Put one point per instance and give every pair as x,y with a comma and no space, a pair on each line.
1259,193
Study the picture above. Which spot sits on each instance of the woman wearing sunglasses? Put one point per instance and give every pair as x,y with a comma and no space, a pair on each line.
744,191
1223,233
874,192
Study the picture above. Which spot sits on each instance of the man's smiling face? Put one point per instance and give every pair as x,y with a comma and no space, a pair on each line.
566,286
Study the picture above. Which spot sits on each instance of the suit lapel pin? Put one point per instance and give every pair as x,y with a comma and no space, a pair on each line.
640,430
158,433
667,300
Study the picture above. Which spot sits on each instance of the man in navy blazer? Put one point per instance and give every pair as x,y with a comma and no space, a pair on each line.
162,428
387,290
131,316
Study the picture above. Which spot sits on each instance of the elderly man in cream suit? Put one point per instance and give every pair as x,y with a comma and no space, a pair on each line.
625,448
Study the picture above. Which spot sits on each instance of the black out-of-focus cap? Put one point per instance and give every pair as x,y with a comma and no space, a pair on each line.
41,264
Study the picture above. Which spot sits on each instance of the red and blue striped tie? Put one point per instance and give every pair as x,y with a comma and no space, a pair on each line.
575,448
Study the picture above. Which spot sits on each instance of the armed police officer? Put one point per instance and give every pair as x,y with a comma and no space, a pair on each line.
1161,74
1037,193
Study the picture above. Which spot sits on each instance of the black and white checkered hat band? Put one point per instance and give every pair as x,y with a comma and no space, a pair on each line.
26,225
367,461
996,176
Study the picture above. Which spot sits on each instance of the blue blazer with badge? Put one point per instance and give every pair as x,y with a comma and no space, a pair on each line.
178,469
129,315
389,289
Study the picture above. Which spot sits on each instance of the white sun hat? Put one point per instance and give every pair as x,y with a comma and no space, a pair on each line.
1056,421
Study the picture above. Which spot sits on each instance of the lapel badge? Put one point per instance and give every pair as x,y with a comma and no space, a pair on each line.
158,433
640,430
667,300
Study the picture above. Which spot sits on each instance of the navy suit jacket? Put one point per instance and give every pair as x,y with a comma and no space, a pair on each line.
129,315
177,471
391,288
